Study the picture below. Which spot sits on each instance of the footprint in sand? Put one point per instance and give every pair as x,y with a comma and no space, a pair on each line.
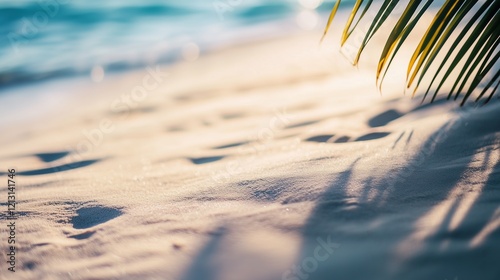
321,138
342,139
391,114
379,120
384,118
45,157
372,136
88,217
56,169
204,160
50,157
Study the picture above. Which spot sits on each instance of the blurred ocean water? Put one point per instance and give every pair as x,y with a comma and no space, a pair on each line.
43,39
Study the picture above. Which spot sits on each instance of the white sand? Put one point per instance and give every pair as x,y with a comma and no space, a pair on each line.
236,164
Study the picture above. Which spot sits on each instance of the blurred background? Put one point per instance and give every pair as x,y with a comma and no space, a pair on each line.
46,39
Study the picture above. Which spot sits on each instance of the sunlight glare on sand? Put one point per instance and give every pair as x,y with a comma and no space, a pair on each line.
453,210
307,19
493,225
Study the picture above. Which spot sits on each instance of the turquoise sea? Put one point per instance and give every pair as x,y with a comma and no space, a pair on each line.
45,39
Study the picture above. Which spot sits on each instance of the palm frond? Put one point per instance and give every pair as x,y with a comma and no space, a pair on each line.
460,45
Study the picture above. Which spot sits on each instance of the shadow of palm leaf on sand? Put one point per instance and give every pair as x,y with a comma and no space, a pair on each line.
403,230
201,267
435,217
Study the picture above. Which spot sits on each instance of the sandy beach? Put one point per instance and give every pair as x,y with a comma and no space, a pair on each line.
269,160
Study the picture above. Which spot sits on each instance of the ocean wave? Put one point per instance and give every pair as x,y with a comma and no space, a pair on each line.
45,39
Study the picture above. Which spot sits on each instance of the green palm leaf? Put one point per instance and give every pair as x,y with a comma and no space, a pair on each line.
461,43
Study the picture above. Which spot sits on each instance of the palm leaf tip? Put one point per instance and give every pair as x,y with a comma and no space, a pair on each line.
460,46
